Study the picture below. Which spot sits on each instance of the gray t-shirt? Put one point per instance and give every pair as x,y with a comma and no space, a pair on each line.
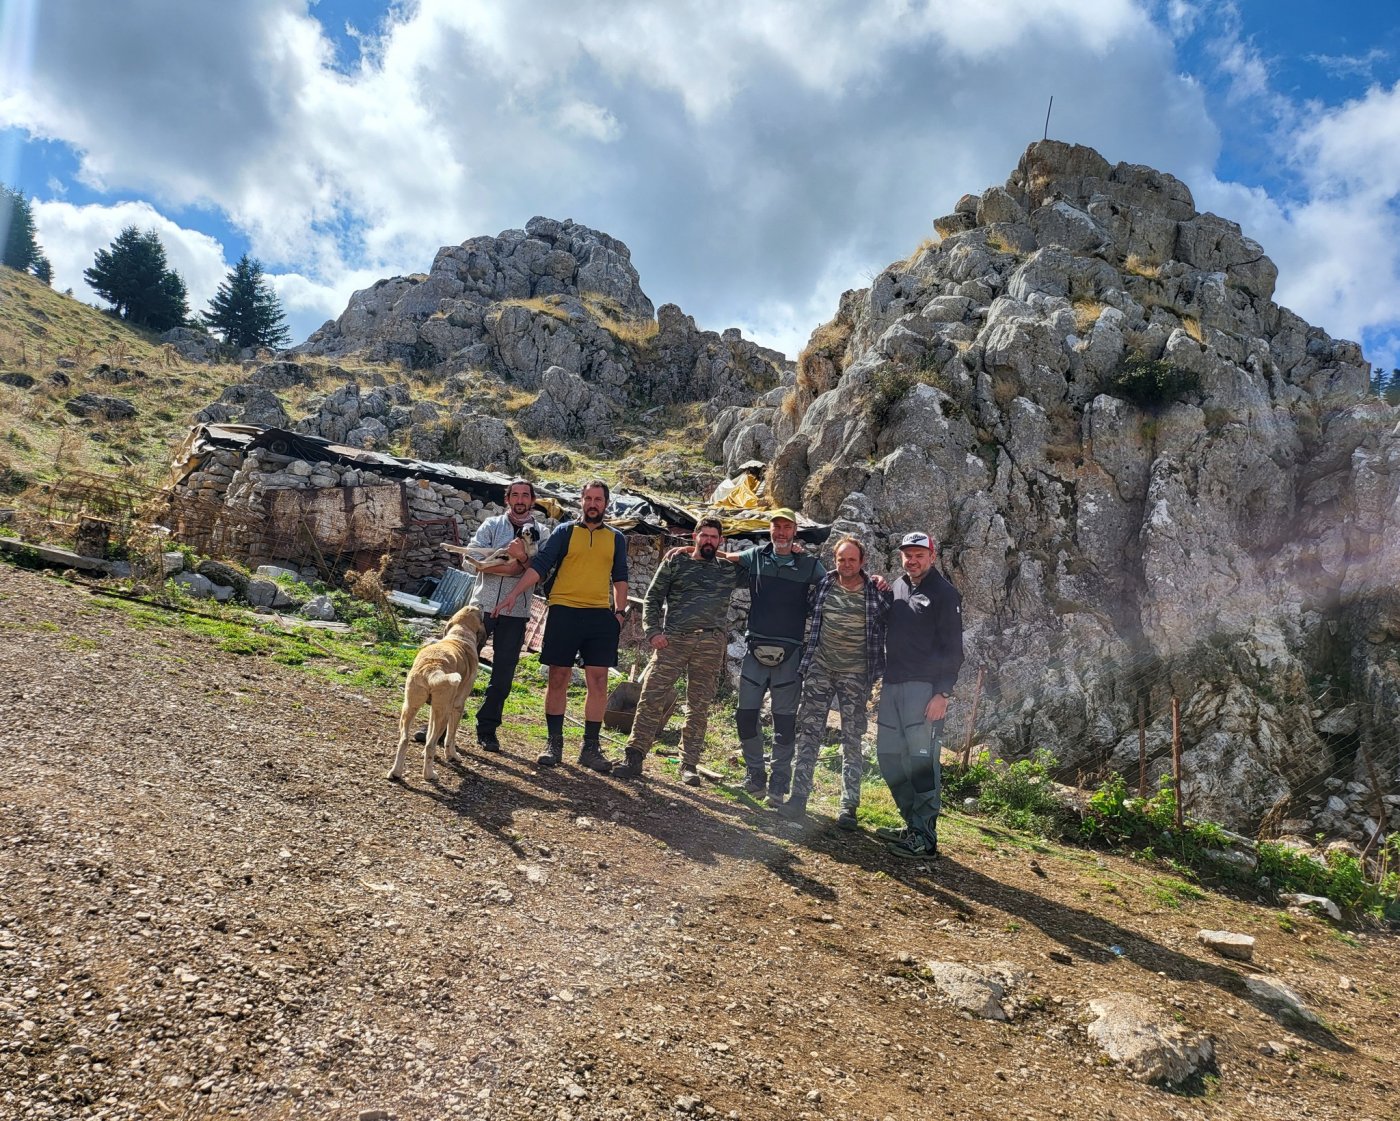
489,590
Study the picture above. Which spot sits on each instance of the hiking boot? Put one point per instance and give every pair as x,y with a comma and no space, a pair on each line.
593,758
846,820
553,753
885,833
755,785
794,809
486,739
690,776
632,767
916,846
421,736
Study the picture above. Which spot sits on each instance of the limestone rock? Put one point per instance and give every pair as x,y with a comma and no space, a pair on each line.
1146,1041
192,345
1239,947
568,406
245,403
1280,998
978,990
486,442
98,406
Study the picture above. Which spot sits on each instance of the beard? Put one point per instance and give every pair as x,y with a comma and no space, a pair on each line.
708,551
593,517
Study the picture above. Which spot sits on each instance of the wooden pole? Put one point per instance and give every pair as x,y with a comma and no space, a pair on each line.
1142,745
972,717
1176,756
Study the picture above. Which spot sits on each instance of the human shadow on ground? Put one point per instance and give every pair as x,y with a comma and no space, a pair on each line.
491,789
957,885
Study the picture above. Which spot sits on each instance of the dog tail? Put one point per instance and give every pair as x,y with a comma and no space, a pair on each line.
437,678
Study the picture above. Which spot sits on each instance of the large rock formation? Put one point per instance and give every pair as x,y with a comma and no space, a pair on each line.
553,295
1149,479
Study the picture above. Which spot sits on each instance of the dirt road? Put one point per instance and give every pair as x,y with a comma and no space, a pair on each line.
213,905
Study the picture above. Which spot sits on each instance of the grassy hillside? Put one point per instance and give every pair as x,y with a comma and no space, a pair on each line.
65,346
70,348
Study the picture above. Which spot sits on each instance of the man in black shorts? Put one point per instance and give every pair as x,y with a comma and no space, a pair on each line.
587,603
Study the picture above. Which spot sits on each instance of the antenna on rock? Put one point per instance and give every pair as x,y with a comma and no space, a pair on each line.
1046,134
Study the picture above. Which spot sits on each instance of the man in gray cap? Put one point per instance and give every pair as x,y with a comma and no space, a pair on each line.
924,651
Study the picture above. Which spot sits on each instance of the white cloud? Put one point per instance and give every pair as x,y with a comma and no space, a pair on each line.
756,164
72,235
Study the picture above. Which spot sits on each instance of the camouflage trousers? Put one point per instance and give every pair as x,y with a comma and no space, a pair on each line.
852,694
700,656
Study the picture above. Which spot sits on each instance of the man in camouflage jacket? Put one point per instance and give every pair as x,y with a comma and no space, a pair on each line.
685,616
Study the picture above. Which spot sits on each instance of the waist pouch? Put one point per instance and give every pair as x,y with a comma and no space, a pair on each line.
769,653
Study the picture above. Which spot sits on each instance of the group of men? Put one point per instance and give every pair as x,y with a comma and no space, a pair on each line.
813,638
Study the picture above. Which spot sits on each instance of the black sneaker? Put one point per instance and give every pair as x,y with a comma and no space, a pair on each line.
593,758
553,754
915,847
486,739
846,820
885,833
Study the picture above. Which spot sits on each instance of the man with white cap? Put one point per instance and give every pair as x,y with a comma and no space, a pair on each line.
924,651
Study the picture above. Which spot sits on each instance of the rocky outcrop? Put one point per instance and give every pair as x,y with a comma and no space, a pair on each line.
555,294
1148,479
570,408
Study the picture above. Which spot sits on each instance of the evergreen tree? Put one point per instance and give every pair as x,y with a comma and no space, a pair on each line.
43,270
20,250
1391,391
245,309
133,277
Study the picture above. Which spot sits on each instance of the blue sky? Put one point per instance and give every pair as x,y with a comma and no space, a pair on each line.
757,165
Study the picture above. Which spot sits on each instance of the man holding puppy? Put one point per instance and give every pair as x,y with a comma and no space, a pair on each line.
507,629
686,619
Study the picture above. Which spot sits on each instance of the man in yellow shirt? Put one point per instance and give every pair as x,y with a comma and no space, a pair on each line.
587,604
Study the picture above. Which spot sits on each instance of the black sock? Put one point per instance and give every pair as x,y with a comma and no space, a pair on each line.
555,725
592,729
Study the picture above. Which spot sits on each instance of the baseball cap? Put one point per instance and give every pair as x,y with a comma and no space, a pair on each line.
782,512
916,541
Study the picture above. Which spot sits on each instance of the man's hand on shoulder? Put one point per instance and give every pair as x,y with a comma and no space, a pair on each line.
881,584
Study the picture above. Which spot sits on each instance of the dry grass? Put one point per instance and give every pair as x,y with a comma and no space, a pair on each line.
1135,265
823,359
640,334
541,305
1086,314
930,242
1005,388
1192,327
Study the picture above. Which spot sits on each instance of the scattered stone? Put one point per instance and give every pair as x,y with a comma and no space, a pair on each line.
1283,999
1312,904
1146,1041
1239,947
97,406
978,990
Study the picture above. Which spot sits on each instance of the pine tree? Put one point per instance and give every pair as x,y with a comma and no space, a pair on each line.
43,270
20,250
133,277
1390,393
245,309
